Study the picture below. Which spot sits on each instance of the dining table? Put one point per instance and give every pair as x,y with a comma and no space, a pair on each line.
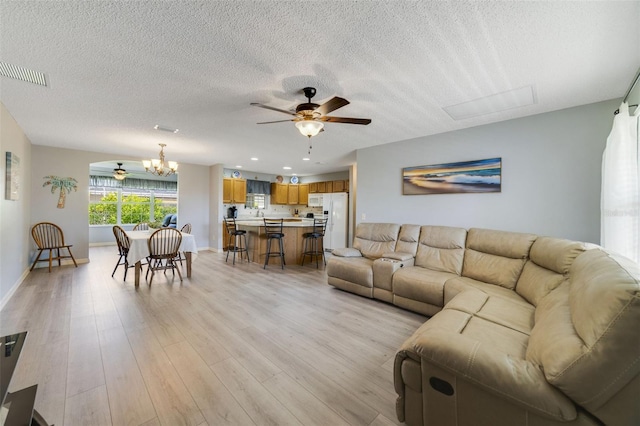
139,250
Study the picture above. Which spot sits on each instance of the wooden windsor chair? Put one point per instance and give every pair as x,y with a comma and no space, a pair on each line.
187,230
164,245
49,236
122,239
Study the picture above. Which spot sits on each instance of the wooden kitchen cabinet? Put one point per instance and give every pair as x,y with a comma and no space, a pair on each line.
239,191
303,194
225,238
234,191
227,190
313,187
322,187
292,194
328,187
279,193
338,186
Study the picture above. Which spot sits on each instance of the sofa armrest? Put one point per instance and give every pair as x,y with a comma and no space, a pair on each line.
346,252
513,379
397,255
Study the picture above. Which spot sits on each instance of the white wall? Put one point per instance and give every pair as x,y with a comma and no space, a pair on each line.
74,218
193,201
551,175
15,226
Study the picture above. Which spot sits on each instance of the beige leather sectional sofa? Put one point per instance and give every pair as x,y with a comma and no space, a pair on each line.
523,330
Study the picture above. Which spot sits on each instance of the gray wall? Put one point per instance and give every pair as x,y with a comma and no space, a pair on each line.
15,226
551,175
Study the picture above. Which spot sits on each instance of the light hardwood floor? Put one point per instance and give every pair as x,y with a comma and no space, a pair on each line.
232,345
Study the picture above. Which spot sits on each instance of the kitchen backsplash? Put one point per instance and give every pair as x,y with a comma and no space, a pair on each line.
273,210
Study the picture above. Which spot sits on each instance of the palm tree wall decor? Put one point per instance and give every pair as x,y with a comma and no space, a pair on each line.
64,184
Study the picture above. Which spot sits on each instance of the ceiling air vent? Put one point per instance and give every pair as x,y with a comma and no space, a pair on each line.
24,74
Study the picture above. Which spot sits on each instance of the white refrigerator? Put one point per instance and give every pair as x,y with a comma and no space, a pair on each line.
335,207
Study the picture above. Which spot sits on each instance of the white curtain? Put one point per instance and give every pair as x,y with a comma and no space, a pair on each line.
620,230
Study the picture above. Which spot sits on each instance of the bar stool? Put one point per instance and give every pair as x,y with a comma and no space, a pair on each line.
273,231
237,237
319,226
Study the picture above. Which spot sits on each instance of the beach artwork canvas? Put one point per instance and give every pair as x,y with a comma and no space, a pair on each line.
451,178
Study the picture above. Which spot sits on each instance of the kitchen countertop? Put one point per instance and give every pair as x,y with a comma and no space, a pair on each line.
289,222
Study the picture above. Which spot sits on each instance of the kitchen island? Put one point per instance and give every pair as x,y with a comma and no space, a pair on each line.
293,229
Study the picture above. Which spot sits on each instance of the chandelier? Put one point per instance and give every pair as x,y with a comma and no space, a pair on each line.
160,167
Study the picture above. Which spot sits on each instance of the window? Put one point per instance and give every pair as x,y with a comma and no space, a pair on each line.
126,206
256,201
103,206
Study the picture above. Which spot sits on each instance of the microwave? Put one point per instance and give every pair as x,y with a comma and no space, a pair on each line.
315,200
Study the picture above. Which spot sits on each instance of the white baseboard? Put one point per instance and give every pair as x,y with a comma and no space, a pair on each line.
112,243
65,262
13,289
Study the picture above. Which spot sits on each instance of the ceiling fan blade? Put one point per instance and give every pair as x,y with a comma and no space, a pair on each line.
332,105
272,108
346,120
277,121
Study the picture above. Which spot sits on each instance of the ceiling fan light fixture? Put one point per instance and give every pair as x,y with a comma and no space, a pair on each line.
309,128
119,173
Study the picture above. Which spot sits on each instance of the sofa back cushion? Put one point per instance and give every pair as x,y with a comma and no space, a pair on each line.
408,239
441,248
586,337
496,257
374,239
548,265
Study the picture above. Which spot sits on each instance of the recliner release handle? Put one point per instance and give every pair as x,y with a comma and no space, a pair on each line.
441,386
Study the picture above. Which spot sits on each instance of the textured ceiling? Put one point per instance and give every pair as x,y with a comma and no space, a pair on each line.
115,69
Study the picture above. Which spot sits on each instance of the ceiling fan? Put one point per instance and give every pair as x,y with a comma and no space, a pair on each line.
119,173
310,117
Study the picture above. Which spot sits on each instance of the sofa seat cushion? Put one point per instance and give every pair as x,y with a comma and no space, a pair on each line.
459,284
487,333
357,270
511,313
421,284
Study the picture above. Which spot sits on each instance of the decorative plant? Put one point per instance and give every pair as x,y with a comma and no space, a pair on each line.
63,184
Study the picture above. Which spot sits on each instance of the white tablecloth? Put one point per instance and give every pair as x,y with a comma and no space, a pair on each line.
139,249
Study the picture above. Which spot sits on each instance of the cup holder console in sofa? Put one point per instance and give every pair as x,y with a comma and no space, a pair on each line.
523,330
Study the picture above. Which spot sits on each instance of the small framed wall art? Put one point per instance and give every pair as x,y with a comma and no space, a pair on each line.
12,179
453,178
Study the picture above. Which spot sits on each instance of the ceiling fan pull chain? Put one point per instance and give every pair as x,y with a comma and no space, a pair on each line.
310,145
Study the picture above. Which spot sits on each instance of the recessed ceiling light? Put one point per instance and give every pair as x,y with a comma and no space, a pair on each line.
238,167
287,168
294,174
306,159
254,158
165,129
